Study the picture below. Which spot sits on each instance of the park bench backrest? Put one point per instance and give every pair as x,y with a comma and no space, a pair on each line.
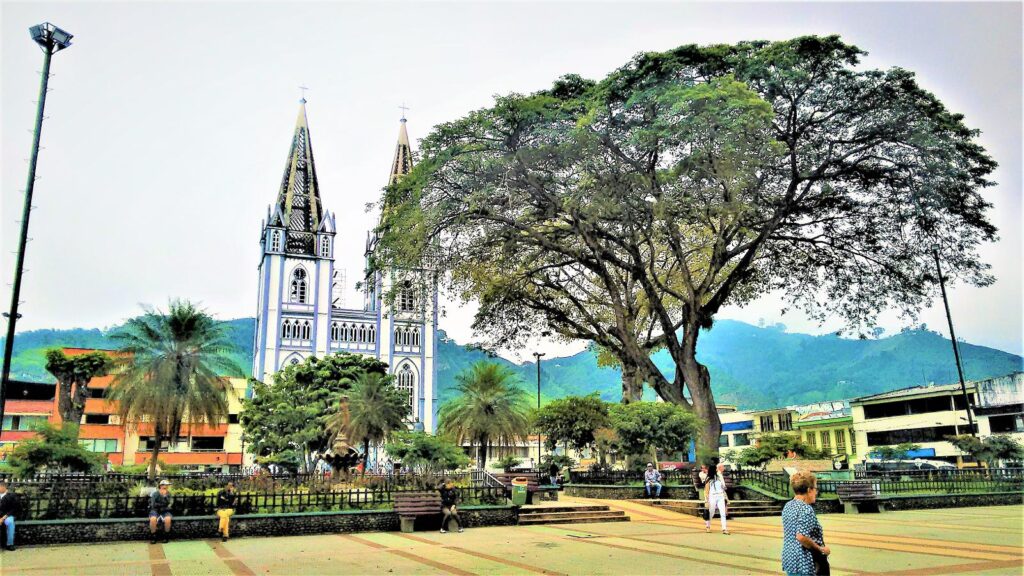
412,504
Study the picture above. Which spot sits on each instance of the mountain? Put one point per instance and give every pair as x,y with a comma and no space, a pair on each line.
751,366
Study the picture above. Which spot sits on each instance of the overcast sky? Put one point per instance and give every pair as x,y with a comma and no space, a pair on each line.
169,123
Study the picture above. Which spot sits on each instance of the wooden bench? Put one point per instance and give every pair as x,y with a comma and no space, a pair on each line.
412,505
859,497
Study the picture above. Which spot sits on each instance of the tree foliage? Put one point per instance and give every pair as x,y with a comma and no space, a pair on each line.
572,420
370,412
629,211
422,452
286,422
73,374
645,427
489,408
55,450
169,369
990,449
773,447
895,452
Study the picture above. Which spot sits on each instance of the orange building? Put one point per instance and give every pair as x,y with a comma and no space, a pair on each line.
200,447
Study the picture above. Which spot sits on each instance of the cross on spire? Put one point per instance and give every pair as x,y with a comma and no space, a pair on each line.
303,88
403,107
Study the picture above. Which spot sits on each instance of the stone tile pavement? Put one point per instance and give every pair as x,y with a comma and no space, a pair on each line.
914,543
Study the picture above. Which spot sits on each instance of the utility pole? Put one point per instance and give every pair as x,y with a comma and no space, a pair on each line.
538,356
956,347
50,39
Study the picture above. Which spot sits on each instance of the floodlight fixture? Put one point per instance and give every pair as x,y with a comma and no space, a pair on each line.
50,37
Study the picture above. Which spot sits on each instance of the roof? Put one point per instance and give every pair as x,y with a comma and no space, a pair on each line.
914,391
402,164
298,199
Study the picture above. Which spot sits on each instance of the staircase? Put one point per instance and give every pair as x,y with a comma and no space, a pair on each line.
529,515
736,508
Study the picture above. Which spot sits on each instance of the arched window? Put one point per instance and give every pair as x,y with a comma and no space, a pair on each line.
373,334
286,330
415,336
406,298
298,291
405,380
335,331
325,246
306,330
275,241
361,337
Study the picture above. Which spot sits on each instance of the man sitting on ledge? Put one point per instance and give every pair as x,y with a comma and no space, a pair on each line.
8,509
160,510
652,479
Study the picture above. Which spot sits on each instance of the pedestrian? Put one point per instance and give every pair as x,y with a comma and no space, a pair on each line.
8,510
803,541
449,499
716,498
652,479
226,499
703,477
553,473
160,510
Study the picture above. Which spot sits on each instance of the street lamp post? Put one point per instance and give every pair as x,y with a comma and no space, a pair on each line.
50,39
956,347
538,356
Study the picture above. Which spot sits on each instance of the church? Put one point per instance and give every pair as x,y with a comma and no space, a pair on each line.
298,304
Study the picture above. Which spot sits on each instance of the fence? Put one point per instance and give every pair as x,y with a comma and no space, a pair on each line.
777,484
942,473
53,506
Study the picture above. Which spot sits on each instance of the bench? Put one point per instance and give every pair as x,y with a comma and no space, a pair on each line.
859,497
412,505
534,488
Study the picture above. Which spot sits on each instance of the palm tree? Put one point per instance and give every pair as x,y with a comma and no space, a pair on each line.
171,370
371,412
490,407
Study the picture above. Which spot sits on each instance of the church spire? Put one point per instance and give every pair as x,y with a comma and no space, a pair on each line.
299,196
403,155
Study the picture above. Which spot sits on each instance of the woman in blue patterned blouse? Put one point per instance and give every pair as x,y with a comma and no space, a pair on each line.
802,536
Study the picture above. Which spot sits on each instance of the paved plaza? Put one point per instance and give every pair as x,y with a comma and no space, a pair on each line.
951,541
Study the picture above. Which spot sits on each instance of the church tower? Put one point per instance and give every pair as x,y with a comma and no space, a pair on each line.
296,270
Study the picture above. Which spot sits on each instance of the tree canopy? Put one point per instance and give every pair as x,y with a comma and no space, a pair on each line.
286,422
371,411
54,449
629,211
73,374
990,449
645,427
422,452
572,420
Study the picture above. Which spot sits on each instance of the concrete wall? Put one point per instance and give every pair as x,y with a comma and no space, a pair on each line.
628,492
41,532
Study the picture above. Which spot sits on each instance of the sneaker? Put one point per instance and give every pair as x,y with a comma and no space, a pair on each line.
726,532
707,529
166,540
461,530
152,540
11,548
443,531
223,538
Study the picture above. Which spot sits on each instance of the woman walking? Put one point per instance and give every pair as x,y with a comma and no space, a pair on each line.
803,541
716,498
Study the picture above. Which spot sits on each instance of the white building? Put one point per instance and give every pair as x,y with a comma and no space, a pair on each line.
299,311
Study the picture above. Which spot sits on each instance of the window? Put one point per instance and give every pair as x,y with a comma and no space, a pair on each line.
99,445
723,441
853,442
811,440
146,443
1006,423
298,286
305,330
335,332
406,298
841,441
786,421
97,392
325,246
914,406
826,441
740,439
767,423
296,330
207,443
275,241
406,382
915,435
233,419
97,418
21,422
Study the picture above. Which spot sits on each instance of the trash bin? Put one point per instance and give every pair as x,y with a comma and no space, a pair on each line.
519,486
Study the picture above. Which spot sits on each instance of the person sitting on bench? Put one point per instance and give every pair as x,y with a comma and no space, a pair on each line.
652,479
8,510
160,510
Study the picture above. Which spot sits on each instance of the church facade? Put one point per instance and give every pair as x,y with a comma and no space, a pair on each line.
298,303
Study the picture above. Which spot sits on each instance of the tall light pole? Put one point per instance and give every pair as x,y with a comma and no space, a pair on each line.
537,356
50,39
956,347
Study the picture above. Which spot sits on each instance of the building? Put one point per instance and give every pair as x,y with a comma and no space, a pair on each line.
771,421
200,447
923,415
827,426
299,306
737,428
1000,408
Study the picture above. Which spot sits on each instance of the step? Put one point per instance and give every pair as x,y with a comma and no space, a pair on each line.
560,515
577,520
527,510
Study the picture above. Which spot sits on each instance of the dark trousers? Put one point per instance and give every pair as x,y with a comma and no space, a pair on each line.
450,513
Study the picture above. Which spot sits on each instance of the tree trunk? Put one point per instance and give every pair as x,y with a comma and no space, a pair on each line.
366,455
483,452
155,453
698,382
632,389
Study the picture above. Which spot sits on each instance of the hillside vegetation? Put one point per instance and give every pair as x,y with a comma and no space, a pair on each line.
751,366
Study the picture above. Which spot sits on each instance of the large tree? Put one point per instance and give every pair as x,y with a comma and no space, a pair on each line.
489,407
644,428
73,374
172,369
287,421
573,420
371,411
690,180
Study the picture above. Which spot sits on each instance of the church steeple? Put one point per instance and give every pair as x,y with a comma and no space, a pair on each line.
403,155
298,199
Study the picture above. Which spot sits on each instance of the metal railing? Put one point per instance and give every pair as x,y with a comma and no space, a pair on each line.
994,473
777,484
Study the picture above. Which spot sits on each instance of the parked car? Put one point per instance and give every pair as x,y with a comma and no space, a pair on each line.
907,465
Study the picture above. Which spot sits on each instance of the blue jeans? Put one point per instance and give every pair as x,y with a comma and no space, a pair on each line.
9,524
656,486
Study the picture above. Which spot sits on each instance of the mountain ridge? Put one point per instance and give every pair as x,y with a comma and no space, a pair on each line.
751,366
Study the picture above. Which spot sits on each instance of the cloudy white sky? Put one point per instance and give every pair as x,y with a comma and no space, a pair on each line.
169,123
